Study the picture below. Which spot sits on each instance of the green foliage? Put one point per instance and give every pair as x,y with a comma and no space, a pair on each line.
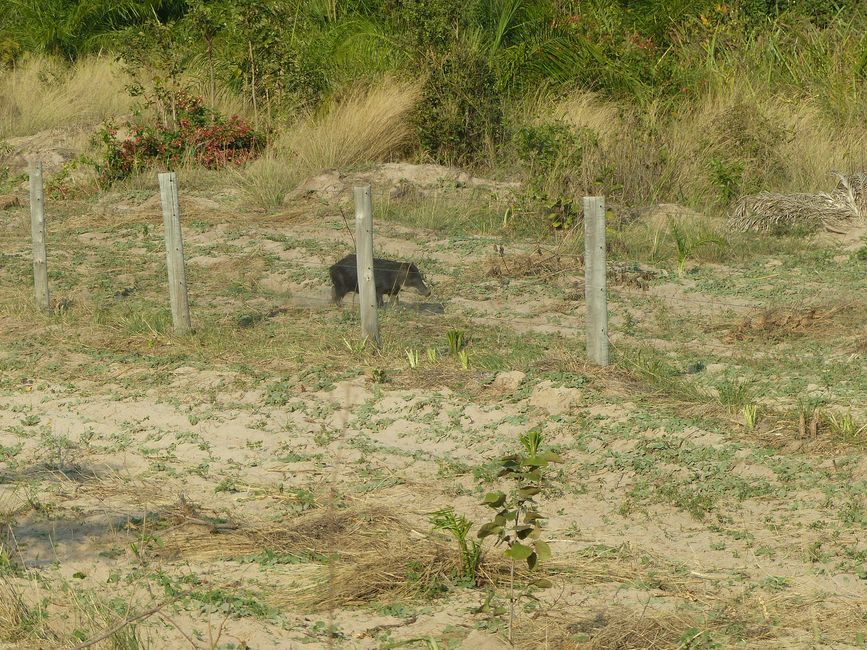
470,550
517,522
198,135
460,115
685,246
743,153
427,25
72,29
551,155
456,341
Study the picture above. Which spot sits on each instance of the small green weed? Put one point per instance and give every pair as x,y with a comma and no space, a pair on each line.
456,341
470,550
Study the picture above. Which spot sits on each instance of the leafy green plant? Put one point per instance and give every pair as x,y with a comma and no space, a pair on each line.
470,550
844,425
551,154
355,348
432,355
456,341
517,523
464,358
685,246
461,111
734,394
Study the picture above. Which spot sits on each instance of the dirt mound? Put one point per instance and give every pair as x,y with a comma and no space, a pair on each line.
398,179
54,147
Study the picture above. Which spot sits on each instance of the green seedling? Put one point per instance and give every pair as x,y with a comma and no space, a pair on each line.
844,425
750,413
470,550
413,357
432,355
456,341
517,523
684,247
464,357
355,348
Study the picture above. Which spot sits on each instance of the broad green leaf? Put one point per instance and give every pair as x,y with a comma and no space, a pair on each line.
532,516
542,549
552,457
523,531
494,499
535,476
528,491
491,528
542,583
532,560
519,551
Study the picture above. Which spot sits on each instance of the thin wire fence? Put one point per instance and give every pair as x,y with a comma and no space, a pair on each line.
397,277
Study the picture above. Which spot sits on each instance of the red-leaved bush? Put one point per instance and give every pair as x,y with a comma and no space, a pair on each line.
200,135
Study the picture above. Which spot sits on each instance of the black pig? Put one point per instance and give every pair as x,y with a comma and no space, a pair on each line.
388,276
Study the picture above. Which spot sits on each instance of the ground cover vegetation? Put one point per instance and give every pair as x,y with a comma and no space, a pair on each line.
274,480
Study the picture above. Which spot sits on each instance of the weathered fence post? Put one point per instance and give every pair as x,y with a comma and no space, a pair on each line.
364,260
37,231
595,289
175,252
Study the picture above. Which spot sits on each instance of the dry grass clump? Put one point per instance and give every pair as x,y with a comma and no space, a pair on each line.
369,124
43,93
835,211
21,621
359,555
265,181
538,264
779,323
622,630
317,533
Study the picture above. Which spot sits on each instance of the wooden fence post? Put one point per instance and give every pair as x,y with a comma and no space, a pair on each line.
364,260
175,252
37,231
595,288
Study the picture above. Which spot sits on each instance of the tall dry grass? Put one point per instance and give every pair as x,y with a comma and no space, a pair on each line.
783,143
737,137
368,124
43,93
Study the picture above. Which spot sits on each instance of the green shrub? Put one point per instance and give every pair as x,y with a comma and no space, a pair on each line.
743,155
197,134
551,155
460,114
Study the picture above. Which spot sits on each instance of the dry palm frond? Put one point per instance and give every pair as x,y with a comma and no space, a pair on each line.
769,212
